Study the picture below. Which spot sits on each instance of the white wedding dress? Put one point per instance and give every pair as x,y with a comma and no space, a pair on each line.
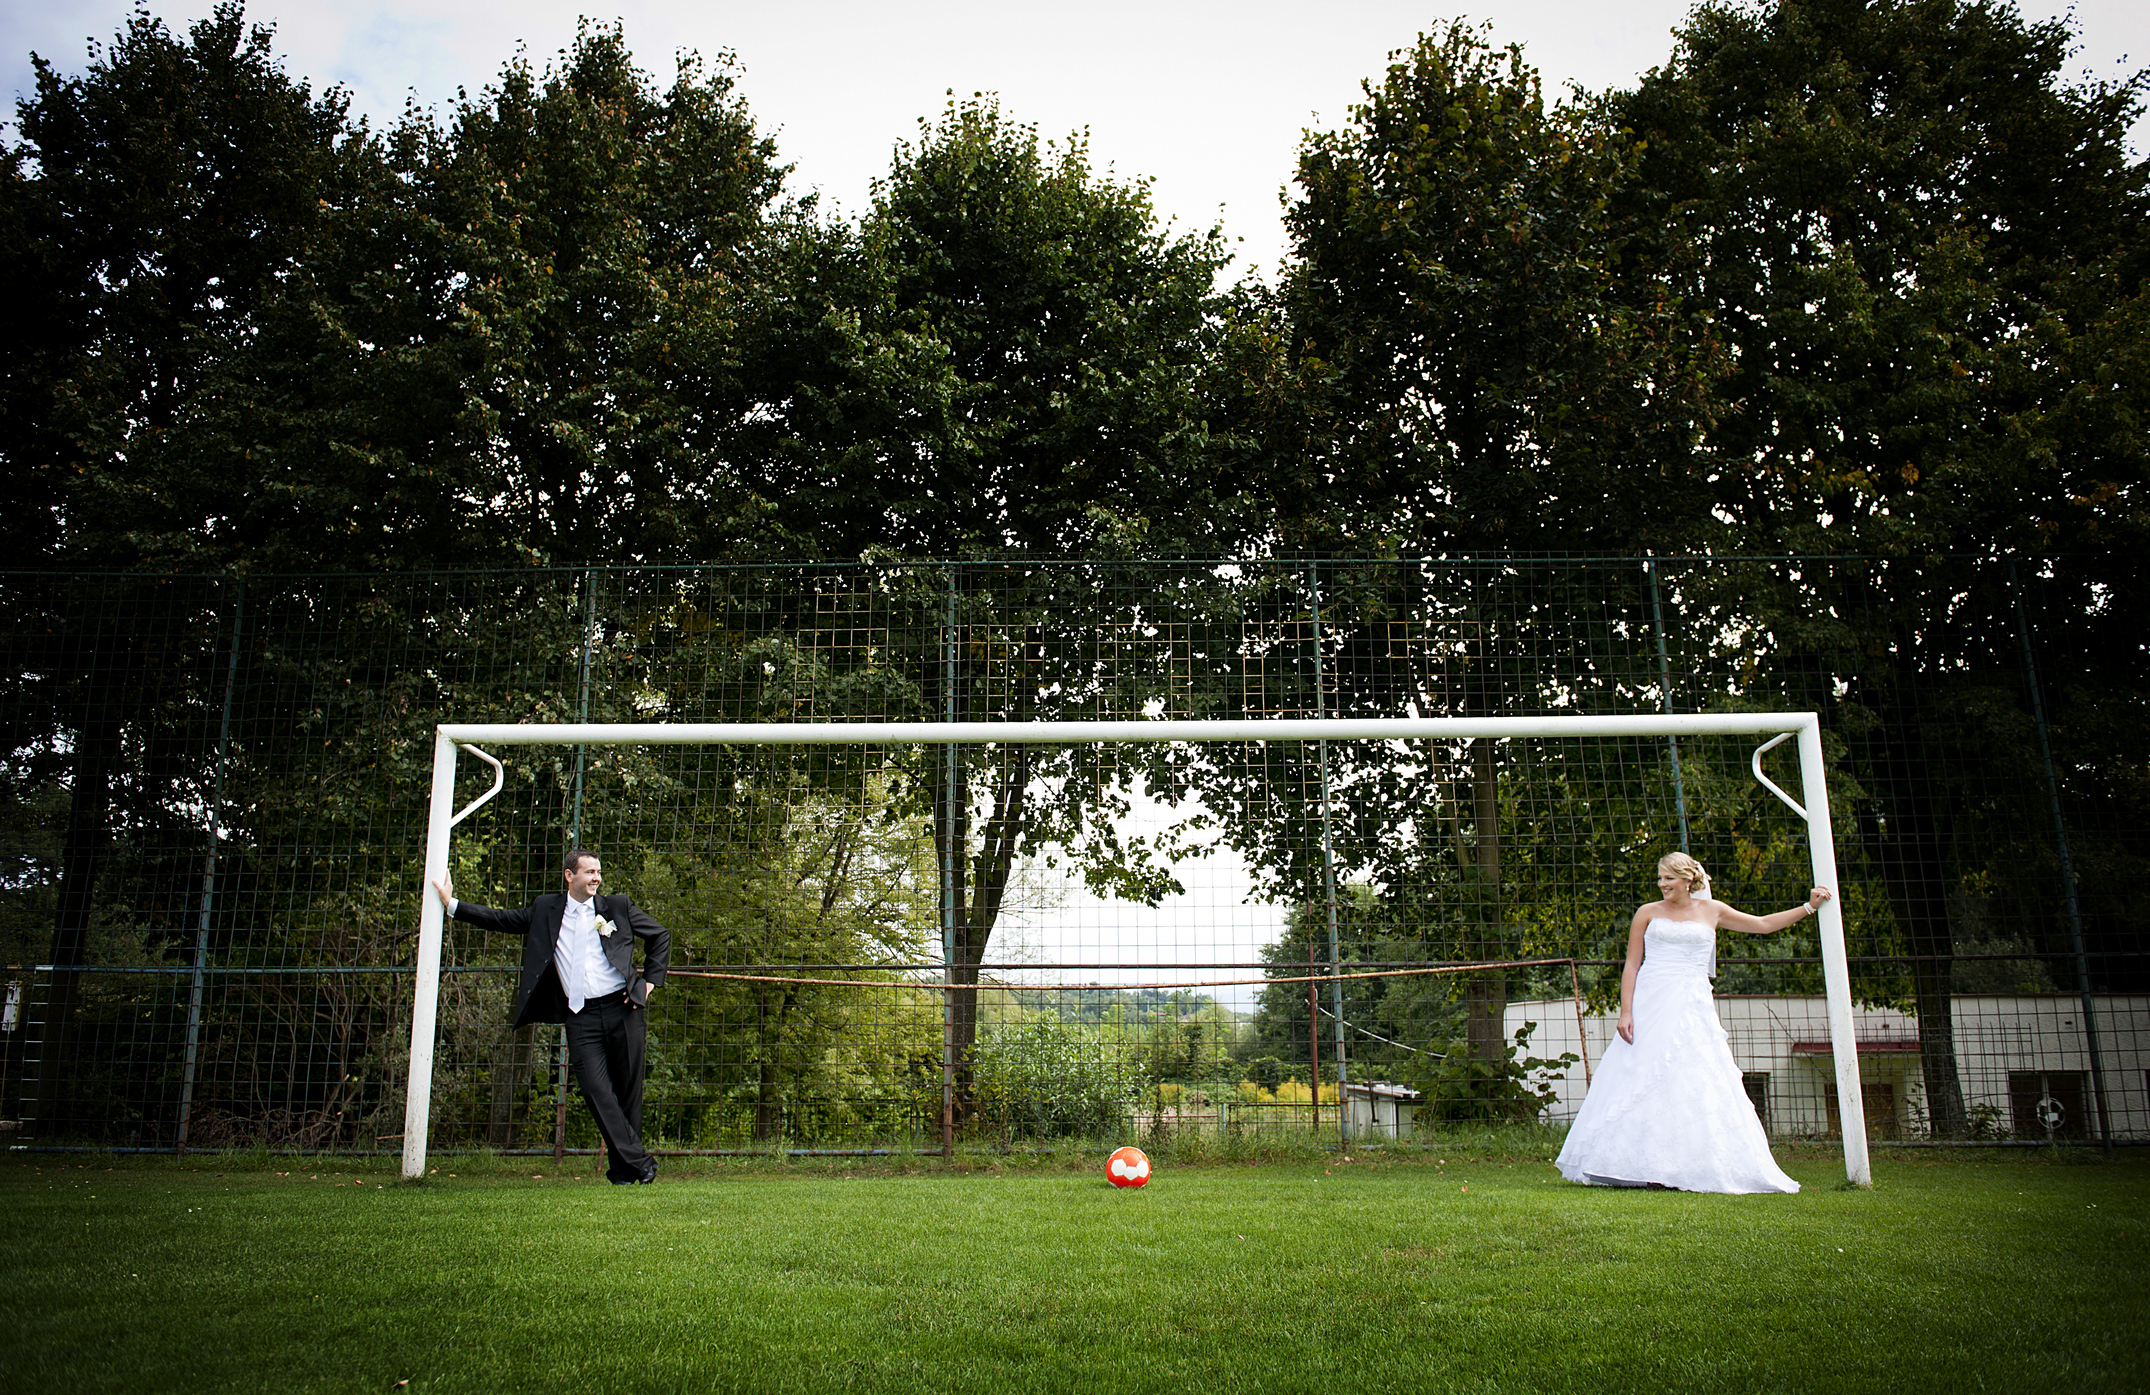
1670,1109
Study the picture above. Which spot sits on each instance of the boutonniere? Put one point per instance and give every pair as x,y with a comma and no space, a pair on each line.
604,927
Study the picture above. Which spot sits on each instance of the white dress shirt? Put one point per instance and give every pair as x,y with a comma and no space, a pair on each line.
579,955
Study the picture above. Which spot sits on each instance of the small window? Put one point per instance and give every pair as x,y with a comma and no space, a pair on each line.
1879,1100
1757,1083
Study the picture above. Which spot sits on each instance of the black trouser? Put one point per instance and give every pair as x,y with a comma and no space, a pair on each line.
605,1042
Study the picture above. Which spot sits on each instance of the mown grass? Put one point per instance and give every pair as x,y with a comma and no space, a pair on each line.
1468,1268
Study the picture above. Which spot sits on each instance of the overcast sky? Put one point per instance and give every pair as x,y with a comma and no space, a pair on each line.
1206,99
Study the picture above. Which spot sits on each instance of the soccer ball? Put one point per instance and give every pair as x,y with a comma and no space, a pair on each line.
1128,1167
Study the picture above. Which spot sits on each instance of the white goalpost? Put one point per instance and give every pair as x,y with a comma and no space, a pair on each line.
1778,727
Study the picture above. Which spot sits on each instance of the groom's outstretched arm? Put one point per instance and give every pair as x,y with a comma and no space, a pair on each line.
484,917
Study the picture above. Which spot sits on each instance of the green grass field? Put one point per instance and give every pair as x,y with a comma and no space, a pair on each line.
1475,1270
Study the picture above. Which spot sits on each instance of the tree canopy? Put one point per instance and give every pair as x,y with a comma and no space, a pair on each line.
155,207
1837,277
1035,365
1904,219
1484,359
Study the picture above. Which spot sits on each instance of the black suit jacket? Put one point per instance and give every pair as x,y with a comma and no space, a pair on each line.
538,994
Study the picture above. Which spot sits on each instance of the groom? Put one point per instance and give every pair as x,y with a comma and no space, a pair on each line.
578,969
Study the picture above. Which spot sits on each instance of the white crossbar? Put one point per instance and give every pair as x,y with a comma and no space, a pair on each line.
1066,733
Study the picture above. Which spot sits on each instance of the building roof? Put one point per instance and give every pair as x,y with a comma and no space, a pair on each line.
1883,1046
1382,1089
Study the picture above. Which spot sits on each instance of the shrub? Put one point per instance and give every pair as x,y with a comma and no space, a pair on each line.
1049,1079
1459,1088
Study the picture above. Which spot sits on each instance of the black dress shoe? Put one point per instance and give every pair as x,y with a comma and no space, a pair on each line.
649,1173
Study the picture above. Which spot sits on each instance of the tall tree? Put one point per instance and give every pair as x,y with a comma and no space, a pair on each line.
1887,198
272,340
1480,361
1483,359
518,344
263,339
155,203
1071,384
1021,361
1897,206
152,206
595,232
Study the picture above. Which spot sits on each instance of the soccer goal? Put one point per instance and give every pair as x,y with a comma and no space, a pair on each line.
1556,801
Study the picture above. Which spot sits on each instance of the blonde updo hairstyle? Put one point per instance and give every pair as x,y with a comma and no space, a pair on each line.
1681,865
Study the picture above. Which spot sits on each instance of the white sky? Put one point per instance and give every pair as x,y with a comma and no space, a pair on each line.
1208,99
1217,920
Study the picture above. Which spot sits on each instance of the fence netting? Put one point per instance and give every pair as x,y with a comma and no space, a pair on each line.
214,805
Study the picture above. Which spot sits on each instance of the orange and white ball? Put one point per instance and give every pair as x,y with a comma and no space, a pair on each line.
1128,1167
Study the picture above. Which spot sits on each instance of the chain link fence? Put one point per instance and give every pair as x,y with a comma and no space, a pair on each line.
214,806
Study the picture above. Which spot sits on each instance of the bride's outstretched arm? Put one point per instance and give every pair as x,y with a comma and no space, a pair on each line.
1626,1025
1733,919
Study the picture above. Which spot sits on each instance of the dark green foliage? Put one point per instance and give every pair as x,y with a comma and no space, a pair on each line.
1897,205
264,337
1482,360
1060,349
155,209
591,237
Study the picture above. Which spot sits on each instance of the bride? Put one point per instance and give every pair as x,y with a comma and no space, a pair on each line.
1667,1108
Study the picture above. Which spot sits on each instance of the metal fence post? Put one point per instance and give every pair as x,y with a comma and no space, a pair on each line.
951,769
574,840
582,703
192,1056
1313,1039
1328,878
2067,866
1664,689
